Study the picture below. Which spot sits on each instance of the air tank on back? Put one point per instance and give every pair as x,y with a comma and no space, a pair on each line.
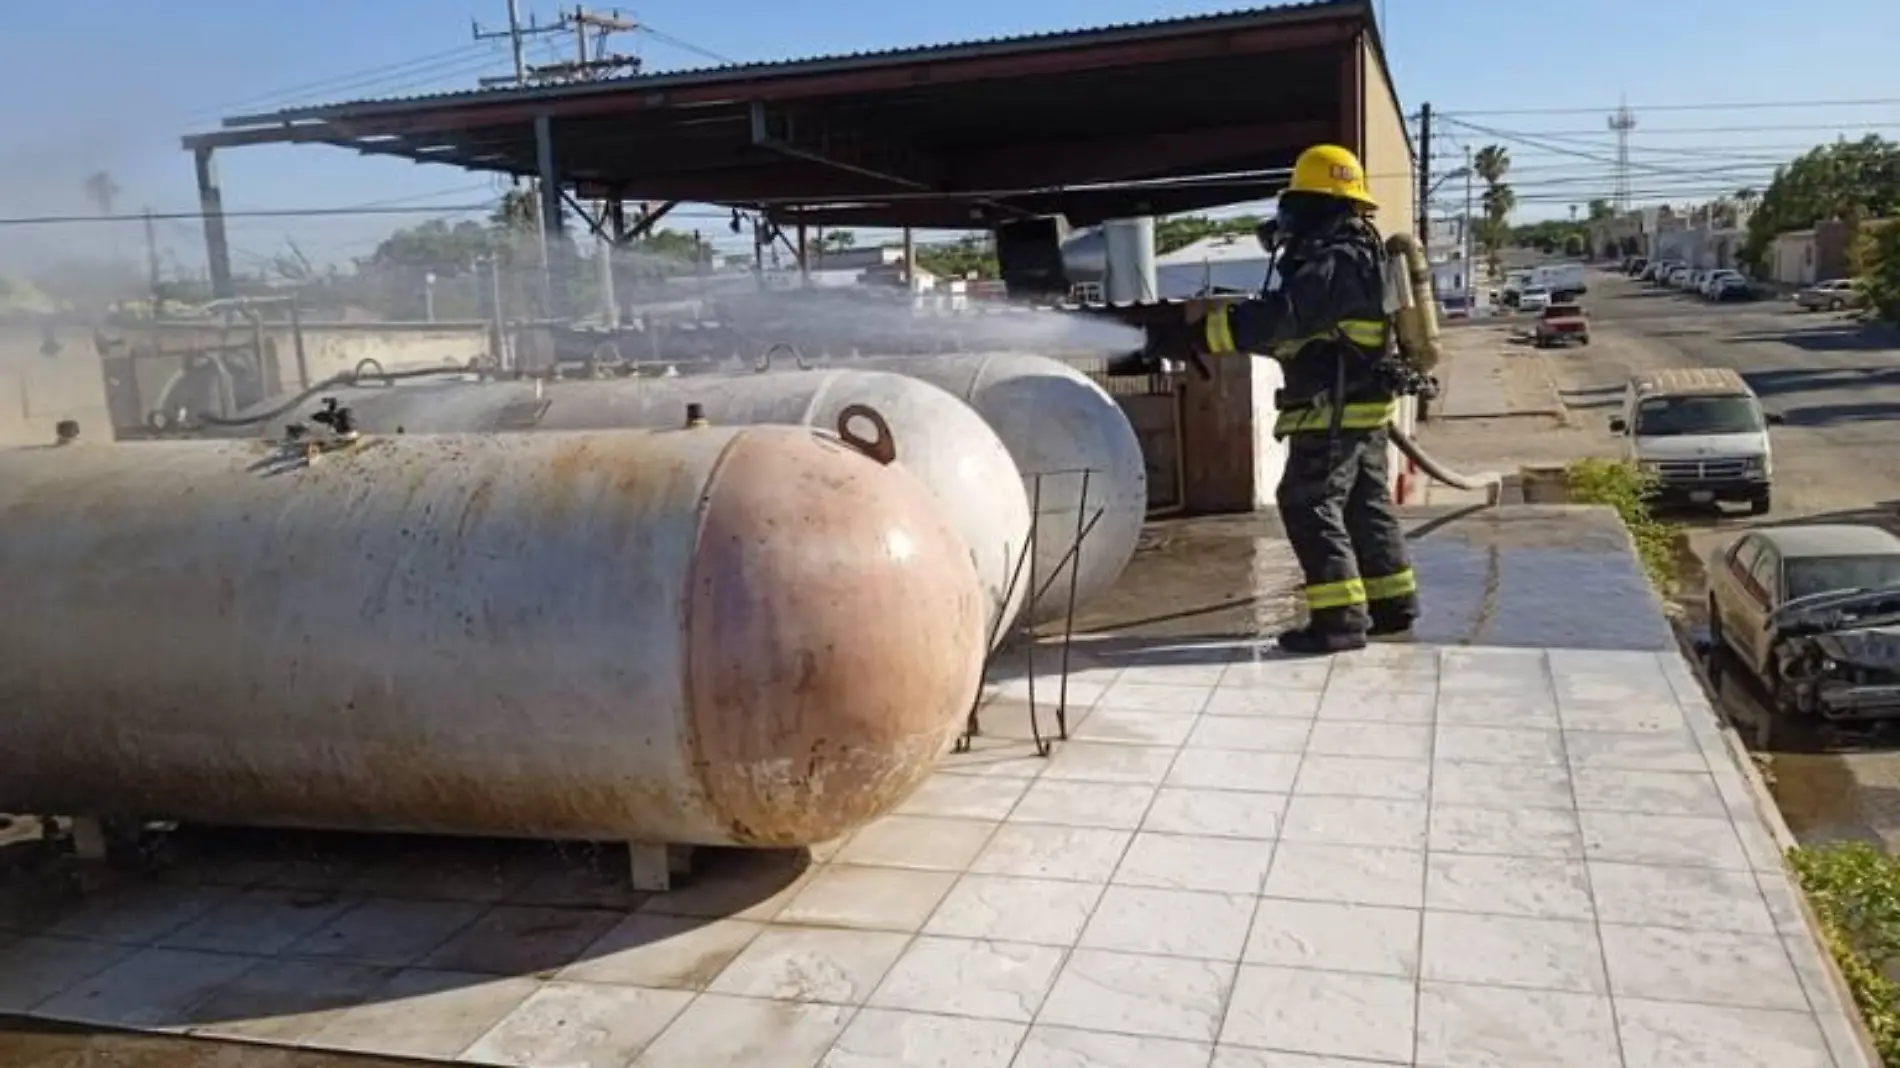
1055,422
748,636
939,438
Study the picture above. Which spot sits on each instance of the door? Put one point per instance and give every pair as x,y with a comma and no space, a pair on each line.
1731,588
1764,593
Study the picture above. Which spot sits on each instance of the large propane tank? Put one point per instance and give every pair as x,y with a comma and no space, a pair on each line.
747,636
1055,421
938,437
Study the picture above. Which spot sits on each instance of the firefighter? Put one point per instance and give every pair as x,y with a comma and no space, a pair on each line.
1328,326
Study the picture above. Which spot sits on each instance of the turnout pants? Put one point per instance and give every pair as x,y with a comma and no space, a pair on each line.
1339,516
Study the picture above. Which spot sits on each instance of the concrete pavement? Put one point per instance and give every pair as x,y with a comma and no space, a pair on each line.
1477,849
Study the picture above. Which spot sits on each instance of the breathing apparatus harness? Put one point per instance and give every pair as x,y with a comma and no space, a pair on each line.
1390,372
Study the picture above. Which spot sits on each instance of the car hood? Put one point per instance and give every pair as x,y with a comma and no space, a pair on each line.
1868,648
1840,612
1701,446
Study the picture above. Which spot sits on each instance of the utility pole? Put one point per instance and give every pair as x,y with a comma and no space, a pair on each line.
1425,177
1471,282
516,35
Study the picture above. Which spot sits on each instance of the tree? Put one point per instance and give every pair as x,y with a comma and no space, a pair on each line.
972,254
837,241
1573,244
1492,163
1599,210
1179,231
1883,271
1834,181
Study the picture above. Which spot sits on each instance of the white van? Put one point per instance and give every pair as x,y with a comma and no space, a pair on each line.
1702,434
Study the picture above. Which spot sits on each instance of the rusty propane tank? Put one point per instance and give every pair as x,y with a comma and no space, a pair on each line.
752,636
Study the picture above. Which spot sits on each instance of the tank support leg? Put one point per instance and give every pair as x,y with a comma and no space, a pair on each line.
89,838
652,866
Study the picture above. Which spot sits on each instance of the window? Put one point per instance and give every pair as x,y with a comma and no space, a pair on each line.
1765,575
1742,557
1665,417
1829,574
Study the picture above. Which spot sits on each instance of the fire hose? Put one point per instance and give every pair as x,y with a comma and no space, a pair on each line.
1490,482
1416,322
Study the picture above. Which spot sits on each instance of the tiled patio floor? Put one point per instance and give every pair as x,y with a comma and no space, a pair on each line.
1456,858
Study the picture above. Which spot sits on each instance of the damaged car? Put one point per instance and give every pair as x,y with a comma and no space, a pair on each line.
1837,655
1813,613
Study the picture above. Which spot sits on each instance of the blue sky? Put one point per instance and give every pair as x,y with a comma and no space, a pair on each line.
111,84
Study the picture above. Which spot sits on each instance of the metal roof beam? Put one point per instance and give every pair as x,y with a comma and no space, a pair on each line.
1083,207
1126,158
1255,34
832,146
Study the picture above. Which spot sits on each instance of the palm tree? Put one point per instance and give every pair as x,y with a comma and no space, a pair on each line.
1492,163
1499,202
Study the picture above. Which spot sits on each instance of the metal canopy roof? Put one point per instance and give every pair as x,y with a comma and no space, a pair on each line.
1150,118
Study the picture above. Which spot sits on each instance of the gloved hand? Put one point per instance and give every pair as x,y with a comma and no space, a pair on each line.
1182,338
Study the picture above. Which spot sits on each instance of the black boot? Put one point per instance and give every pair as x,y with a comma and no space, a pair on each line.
1310,641
1390,625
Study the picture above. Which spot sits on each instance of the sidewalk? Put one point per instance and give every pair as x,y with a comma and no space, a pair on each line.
1486,376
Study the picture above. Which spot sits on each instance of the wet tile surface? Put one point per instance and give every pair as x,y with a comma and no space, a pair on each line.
1472,857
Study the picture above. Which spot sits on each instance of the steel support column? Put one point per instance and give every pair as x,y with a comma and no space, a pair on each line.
217,242
548,199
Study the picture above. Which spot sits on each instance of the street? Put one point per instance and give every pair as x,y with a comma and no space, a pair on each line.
1837,457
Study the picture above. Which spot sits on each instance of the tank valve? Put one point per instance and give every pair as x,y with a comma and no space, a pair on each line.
340,420
696,415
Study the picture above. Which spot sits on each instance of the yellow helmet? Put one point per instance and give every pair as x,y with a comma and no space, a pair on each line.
1332,171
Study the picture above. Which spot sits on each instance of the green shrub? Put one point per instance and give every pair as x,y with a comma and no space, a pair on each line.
1855,891
1883,272
1626,488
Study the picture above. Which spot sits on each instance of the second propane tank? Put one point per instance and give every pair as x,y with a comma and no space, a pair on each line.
1057,423
938,438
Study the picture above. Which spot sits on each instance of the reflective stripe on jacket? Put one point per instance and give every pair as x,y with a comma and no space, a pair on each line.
1318,418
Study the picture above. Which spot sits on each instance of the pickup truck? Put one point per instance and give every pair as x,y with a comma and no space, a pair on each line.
1560,324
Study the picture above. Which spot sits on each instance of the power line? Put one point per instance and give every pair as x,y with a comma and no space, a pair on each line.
434,64
1758,105
269,213
1696,131
686,46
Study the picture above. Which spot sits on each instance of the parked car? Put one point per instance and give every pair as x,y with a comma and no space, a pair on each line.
1714,281
1561,324
1678,277
1701,434
1813,612
1533,299
1454,306
1833,295
1737,288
